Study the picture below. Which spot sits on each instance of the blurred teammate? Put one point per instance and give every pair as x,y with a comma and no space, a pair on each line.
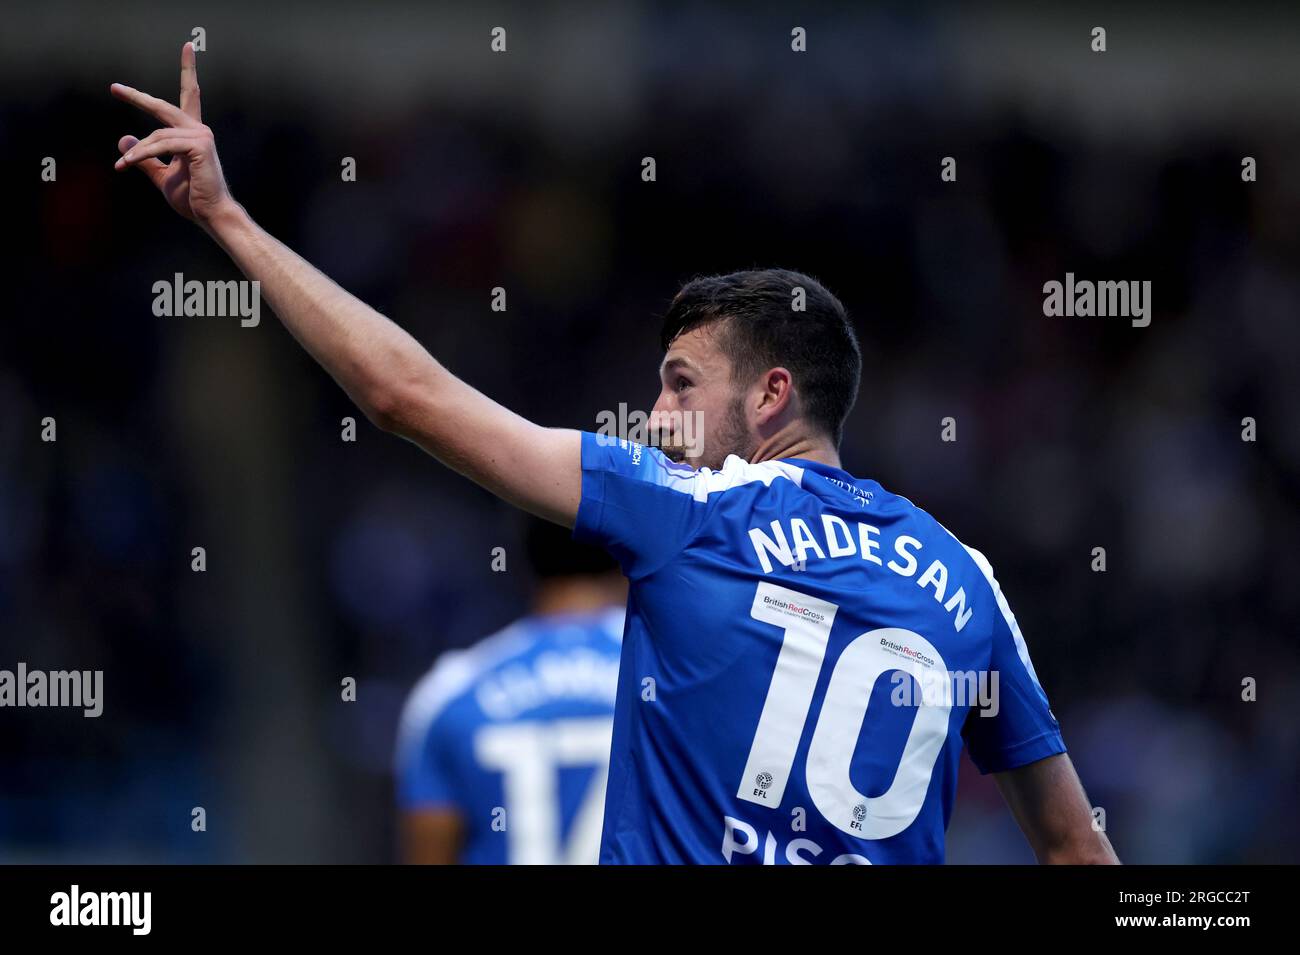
787,622
503,752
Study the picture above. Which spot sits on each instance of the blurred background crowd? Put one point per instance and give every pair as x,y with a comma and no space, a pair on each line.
328,559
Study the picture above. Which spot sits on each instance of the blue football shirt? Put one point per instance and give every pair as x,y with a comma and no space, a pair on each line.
803,657
513,734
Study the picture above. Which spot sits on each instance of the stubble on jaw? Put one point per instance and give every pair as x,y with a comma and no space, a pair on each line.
733,437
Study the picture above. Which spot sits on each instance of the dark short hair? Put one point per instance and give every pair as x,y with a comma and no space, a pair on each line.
762,330
552,552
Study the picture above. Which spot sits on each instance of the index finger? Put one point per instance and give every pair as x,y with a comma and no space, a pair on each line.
160,110
190,83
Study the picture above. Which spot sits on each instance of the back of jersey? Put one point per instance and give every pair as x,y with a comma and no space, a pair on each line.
804,655
513,735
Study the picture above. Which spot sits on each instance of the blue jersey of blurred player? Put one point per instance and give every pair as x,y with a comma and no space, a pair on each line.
503,751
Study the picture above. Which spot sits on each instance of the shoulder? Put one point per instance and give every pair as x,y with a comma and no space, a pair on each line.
736,472
455,674
649,464
989,582
933,533
610,624
926,524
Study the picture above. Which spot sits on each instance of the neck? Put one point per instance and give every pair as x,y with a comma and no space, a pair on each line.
791,443
579,594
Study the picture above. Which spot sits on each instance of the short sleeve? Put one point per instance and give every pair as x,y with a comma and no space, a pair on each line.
423,780
1019,728
424,761
636,503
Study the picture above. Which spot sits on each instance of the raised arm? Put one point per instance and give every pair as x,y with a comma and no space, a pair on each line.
1052,809
391,377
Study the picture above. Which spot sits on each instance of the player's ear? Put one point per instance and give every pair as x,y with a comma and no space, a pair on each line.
776,394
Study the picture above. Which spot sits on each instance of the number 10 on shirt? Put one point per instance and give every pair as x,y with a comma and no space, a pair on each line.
806,623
